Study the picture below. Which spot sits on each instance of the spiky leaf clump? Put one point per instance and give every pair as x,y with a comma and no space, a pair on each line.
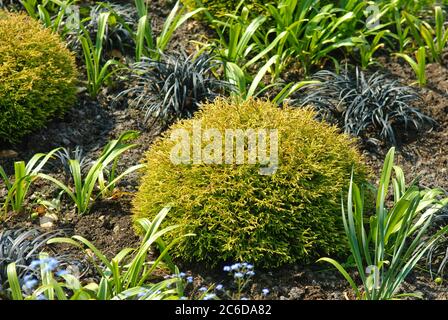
175,86
37,76
21,246
367,105
238,214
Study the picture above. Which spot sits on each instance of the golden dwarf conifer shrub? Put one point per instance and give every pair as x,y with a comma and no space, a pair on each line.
37,76
238,214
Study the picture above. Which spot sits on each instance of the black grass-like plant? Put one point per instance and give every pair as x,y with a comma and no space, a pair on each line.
121,22
437,257
119,29
64,155
8,4
366,105
22,246
173,87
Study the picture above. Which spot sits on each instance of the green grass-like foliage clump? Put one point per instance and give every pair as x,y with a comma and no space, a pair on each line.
37,76
238,214
221,8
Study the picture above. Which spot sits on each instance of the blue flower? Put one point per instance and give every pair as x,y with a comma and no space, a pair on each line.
30,284
203,289
219,287
226,269
249,266
244,298
183,298
41,297
61,273
35,263
238,275
250,273
265,291
190,279
182,275
28,277
236,266
210,296
50,264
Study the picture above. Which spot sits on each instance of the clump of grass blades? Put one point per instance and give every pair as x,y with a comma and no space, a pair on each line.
362,104
21,246
64,155
128,276
387,246
24,176
175,86
118,33
437,257
98,176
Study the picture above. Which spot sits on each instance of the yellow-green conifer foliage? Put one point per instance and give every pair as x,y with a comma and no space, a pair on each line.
37,76
236,213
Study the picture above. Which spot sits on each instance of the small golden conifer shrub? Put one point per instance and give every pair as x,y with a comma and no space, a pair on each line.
238,214
37,76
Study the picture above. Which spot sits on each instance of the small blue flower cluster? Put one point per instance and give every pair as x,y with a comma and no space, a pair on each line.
240,270
210,296
30,281
181,275
147,292
50,264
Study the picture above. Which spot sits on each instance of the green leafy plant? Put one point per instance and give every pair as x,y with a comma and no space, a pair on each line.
401,33
441,35
368,48
392,242
84,185
128,275
434,38
245,90
51,13
221,8
237,213
242,47
236,36
24,176
109,177
119,33
38,76
418,65
98,72
149,45
315,29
